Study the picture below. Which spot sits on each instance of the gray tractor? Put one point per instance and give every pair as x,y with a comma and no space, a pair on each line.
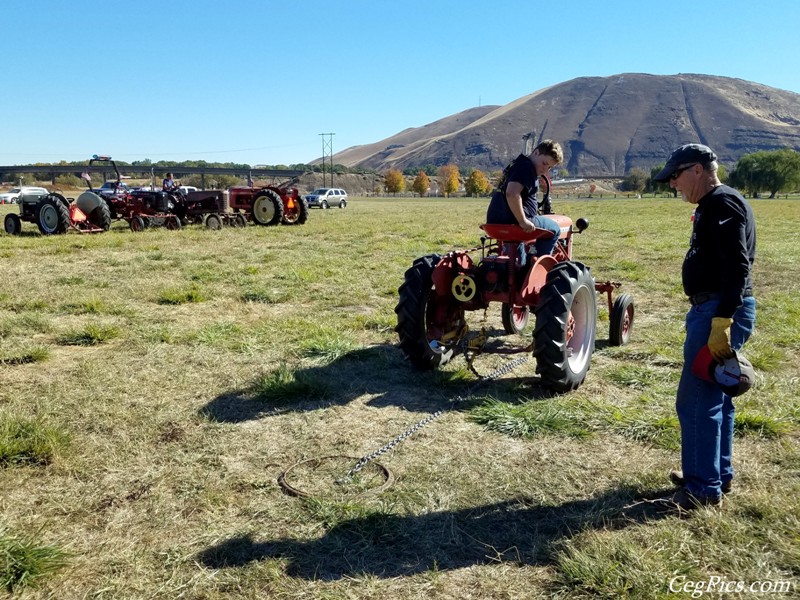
53,213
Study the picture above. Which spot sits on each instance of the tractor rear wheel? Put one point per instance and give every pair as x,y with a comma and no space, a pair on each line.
13,224
52,215
101,216
566,325
297,215
621,321
515,318
428,324
267,208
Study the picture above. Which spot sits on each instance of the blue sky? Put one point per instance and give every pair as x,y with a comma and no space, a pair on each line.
256,81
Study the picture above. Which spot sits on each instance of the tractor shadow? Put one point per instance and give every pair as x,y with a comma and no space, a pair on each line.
517,531
380,372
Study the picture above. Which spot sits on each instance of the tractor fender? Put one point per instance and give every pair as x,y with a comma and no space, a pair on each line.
536,278
451,265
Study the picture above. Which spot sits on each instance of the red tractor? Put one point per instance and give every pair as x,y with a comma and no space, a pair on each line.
439,290
271,204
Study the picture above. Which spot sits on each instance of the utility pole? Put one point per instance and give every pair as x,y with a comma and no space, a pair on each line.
527,142
327,150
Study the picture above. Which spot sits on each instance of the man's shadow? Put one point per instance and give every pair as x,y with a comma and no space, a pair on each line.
388,545
380,372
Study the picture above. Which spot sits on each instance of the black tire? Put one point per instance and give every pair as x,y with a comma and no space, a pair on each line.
416,310
267,208
52,214
566,326
515,318
136,224
148,223
173,223
213,222
324,204
342,204
101,216
298,215
239,220
621,321
13,224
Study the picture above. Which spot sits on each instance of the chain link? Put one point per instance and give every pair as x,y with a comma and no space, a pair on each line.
368,458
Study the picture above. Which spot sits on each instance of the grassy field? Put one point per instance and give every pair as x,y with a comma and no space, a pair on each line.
155,386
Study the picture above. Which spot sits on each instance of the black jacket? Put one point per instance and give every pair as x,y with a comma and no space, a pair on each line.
722,249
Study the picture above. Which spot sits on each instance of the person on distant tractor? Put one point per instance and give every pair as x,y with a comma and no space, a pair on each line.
168,184
514,199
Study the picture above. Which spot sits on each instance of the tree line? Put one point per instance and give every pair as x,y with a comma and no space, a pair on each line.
772,171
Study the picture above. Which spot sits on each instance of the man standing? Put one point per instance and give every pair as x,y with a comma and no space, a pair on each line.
717,279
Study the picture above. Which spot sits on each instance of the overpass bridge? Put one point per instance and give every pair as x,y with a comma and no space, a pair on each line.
107,171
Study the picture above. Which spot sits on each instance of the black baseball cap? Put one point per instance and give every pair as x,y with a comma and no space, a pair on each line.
688,154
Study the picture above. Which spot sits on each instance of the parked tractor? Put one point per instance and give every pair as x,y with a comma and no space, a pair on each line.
53,213
267,205
438,291
271,204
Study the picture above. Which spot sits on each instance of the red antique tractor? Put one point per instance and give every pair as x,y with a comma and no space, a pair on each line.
439,290
271,204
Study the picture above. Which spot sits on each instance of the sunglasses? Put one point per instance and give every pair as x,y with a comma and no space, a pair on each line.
677,173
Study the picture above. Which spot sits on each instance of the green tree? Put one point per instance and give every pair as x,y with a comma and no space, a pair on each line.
448,179
394,181
477,183
635,180
421,184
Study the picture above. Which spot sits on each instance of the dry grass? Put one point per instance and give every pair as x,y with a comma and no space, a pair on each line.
181,372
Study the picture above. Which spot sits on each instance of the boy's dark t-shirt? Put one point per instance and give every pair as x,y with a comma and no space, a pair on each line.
522,171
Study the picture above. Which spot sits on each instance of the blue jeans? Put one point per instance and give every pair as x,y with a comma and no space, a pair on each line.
704,411
546,246
543,246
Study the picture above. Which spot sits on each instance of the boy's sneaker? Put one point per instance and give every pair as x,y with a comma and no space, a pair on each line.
676,477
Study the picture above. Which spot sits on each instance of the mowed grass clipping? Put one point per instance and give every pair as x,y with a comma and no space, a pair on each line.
156,386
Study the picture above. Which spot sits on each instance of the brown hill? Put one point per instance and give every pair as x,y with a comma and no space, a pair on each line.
607,125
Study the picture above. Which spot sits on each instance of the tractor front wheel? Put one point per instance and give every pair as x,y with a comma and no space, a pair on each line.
173,223
267,208
566,325
621,321
52,215
298,214
428,324
515,318
213,222
136,224
13,224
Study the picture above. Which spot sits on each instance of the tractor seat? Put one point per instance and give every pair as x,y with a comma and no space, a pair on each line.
514,233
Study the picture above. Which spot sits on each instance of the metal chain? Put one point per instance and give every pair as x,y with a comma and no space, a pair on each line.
368,458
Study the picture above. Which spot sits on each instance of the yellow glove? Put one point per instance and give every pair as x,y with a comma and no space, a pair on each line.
719,342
